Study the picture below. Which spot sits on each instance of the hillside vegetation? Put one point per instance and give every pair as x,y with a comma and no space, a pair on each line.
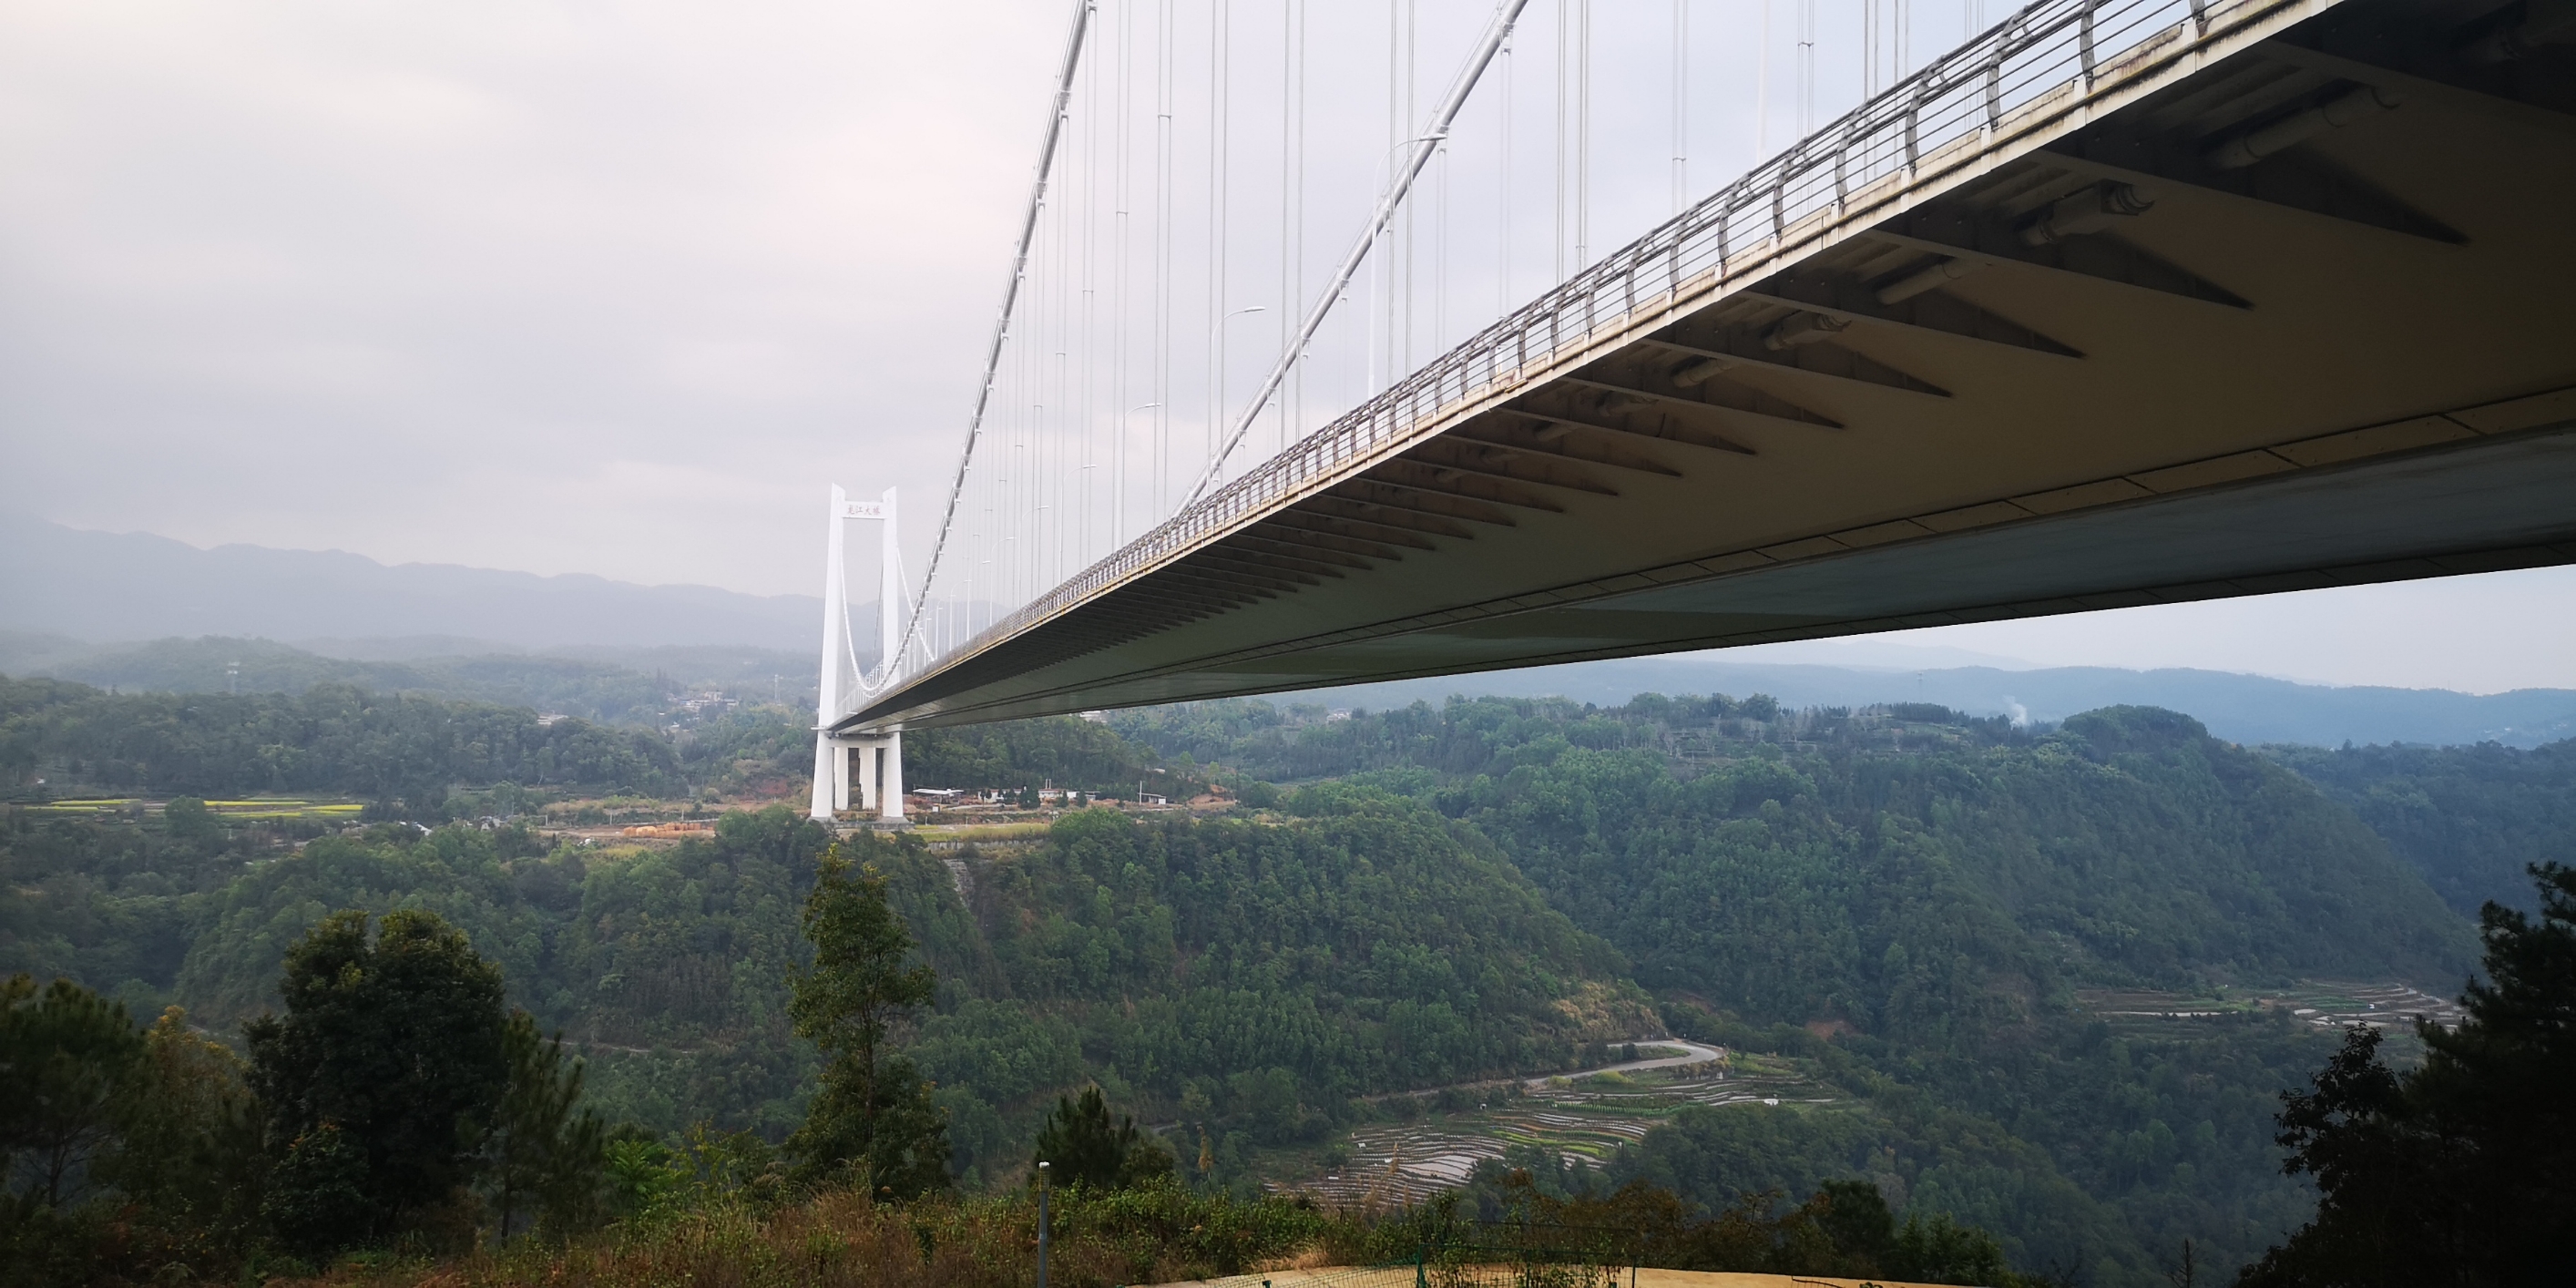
1253,976
1901,903
2468,818
330,738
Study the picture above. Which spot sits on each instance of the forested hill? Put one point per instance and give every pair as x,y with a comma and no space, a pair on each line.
2471,819
637,686
1905,907
426,757
1245,975
2128,841
405,752
2128,846
1934,891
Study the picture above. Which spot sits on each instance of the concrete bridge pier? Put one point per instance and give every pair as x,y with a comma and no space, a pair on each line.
873,764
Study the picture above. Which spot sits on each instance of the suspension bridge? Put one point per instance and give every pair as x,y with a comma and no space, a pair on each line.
2116,303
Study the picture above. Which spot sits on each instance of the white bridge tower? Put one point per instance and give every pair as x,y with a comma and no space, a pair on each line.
875,762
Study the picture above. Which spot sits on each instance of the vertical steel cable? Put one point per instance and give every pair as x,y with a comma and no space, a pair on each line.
1681,104
1382,273
1215,236
1163,87
1564,49
1224,143
1418,155
1086,406
1053,427
1292,416
1010,298
1806,68
1407,249
1503,190
1868,49
1118,309
1583,139
1287,175
1762,90
1440,250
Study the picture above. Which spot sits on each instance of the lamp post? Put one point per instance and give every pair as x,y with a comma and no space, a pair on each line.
1216,386
1042,1223
1118,492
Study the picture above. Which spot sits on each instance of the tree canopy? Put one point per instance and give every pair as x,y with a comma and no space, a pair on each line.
873,1122
389,1059
2463,1169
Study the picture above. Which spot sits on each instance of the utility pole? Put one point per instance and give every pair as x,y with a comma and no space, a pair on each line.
1042,1222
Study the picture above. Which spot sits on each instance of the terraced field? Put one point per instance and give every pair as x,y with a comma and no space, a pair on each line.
2324,1003
1582,1118
2327,1004
246,811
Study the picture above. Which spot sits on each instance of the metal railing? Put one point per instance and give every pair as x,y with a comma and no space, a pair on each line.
2050,60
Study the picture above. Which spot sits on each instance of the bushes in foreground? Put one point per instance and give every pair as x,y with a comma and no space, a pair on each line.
1158,1234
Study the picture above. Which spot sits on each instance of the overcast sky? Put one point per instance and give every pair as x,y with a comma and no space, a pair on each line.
619,289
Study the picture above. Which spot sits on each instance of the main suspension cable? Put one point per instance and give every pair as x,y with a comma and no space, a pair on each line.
1071,63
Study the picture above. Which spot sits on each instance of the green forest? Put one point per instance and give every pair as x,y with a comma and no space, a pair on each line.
1905,904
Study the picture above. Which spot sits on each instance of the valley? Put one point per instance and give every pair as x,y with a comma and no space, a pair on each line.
2051,980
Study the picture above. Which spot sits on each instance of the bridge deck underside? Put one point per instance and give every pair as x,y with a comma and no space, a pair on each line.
2110,368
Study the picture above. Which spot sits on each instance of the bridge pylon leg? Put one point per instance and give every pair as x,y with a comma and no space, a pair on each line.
867,772
892,810
831,778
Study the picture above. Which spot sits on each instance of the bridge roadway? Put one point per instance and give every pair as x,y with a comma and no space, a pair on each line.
2086,316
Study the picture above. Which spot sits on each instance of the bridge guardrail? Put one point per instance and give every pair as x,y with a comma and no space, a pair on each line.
2050,59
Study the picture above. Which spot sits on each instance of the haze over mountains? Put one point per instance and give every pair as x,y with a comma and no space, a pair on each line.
128,610
135,586
2240,708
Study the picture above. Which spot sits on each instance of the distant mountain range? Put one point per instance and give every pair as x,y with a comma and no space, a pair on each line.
135,586
470,633
619,686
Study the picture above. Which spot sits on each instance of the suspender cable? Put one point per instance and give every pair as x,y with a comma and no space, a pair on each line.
1086,413
1163,59
1287,175
1418,154
1218,49
1681,104
1440,250
1118,309
1503,204
1583,136
1409,247
1056,110
1868,50
1806,67
1762,90
1296,411
1382,272
1564,50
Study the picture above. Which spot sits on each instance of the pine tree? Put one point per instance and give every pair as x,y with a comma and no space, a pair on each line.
872,1123
67,1057
2462,1170
1082,1146
188,1152
378,1079
545,1154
